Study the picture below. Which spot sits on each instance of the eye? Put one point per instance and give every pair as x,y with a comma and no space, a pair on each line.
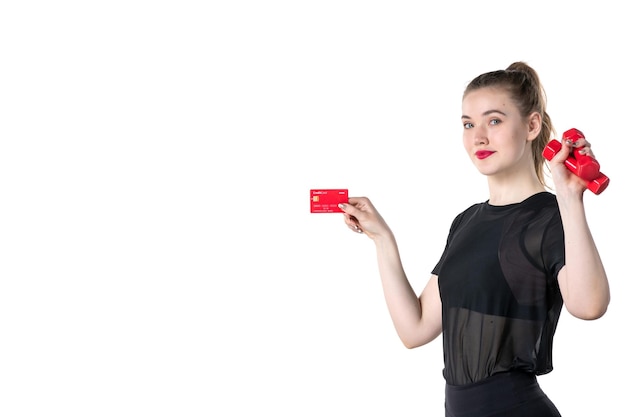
468,125
495,121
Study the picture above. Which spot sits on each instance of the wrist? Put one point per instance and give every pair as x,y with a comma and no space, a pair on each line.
384,238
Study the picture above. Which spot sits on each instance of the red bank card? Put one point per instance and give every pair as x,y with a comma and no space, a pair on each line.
326,200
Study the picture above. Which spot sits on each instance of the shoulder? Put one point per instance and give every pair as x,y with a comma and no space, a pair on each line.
544,199
468,212
471,209
542,203
542,210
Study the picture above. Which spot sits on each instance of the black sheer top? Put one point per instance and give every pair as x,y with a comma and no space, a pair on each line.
499,291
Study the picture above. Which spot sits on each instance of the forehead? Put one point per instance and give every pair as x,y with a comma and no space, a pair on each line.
484,99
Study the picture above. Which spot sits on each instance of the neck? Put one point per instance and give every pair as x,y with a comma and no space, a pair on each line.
502,192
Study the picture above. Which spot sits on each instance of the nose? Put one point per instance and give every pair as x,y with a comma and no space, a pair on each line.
480,136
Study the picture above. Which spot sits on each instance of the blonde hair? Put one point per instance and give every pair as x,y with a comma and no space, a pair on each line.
525,89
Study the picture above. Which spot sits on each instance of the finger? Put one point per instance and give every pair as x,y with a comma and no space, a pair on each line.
350,220
356,228
579,143
585,151
352,224
583,147
563,153
348,208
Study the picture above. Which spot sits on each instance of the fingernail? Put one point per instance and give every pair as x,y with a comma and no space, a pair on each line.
340,205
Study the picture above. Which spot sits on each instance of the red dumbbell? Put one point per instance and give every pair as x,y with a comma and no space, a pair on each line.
584,166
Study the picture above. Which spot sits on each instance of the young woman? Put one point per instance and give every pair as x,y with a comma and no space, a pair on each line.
499,287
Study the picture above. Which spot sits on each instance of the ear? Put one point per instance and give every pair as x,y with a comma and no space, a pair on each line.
534,125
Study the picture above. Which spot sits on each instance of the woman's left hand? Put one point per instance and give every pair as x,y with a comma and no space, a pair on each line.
564,179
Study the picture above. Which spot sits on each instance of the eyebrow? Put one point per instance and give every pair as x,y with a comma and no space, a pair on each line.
488,112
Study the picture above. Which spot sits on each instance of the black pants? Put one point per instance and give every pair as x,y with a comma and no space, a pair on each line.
510,394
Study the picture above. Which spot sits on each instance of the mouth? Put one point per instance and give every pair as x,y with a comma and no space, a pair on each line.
483,154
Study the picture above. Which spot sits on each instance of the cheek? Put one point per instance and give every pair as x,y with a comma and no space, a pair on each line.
523,146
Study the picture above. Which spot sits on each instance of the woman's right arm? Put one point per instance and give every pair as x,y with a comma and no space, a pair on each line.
417,320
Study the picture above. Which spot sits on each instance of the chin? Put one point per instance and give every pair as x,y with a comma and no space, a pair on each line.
484,170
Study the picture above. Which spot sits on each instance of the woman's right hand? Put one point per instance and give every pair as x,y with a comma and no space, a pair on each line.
362,217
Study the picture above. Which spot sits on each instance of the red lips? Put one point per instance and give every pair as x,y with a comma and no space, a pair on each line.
483,154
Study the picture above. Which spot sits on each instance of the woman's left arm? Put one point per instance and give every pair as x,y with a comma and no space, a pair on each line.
583,281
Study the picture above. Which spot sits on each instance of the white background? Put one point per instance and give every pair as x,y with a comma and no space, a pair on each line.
157,254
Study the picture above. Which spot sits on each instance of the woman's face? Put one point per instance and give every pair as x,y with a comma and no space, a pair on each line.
495,135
